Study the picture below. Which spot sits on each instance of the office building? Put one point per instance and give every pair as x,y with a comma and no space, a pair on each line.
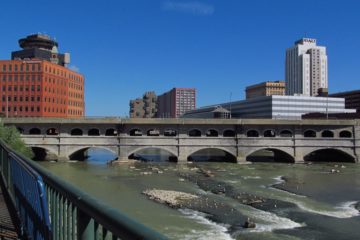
268,88
144,107
176,102
276,107
306,69
352,98
37,83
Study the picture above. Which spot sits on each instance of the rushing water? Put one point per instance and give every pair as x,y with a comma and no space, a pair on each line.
323,203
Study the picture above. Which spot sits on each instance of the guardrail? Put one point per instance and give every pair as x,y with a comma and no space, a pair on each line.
50,208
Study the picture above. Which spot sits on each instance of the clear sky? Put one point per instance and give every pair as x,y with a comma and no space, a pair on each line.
127,47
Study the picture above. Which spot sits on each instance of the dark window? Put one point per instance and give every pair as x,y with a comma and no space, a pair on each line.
269,133
195,133
327,134
252,133
345,134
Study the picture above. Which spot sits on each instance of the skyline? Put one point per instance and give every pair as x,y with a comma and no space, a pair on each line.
127,48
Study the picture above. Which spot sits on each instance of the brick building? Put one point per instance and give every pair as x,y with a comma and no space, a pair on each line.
176,102
37,83
268,88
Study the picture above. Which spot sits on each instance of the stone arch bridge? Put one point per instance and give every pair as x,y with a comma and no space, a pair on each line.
295,140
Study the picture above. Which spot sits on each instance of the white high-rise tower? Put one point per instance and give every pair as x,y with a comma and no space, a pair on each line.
306,68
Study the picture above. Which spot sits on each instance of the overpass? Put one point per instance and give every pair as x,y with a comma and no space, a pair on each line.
290,140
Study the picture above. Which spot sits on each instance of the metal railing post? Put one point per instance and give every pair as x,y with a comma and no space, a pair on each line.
86,226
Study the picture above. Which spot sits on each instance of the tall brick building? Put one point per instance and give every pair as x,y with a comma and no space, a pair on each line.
37,83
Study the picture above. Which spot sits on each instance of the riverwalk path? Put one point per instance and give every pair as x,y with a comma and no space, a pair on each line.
7,225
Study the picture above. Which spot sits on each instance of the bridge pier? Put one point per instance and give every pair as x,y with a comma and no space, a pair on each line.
241,159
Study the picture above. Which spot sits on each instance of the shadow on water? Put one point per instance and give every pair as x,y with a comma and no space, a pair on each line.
270,155
212,155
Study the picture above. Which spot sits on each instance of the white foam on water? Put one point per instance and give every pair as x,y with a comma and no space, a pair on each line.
343,210
251,177
215,231
267,222
278,180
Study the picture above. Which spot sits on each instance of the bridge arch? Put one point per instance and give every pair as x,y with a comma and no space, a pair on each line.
327,134
76,132
329,155
35,131
153,154
94,132
153,132
170,133
194,133
229,133
43,153
79,153
310,133
270,155
211,154
345,134
110,132
52,131
252,133
269,133
212,133
286,133
135,132
20,130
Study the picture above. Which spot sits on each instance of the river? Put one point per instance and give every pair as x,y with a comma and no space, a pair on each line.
322,197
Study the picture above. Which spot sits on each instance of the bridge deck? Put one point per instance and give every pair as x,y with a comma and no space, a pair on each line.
7,226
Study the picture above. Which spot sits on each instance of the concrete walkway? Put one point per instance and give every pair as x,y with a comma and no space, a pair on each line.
7,226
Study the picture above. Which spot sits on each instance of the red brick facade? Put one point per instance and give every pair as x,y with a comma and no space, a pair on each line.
38,88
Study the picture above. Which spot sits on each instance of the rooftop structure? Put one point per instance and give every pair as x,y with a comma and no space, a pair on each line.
268,88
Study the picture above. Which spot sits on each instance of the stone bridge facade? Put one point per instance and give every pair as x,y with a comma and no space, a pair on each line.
296,139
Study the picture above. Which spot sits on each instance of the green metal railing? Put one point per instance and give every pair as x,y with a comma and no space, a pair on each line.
75,214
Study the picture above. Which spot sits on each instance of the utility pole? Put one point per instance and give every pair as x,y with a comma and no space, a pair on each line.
230,104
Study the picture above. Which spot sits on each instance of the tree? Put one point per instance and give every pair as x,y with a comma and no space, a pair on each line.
11,136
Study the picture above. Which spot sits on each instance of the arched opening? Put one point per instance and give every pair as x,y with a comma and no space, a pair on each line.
269,133
212,133
212,155
153,132
94,155
94,132
20,130
286,133
153,155
252,133
135,132
229,133
309,134
41,154
329,155
170,133
110,132
35,131
270,155
327,134
345,134
195,133
76,132
52,131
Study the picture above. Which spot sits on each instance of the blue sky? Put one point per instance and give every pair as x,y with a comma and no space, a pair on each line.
127,47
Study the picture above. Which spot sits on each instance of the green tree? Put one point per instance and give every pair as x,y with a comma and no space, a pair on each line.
11,136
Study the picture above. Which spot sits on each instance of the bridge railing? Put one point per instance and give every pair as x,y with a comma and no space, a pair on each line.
57,209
